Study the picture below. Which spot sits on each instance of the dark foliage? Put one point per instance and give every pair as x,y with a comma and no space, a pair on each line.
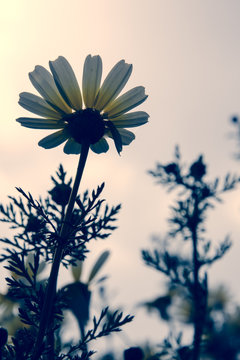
36,225
187,272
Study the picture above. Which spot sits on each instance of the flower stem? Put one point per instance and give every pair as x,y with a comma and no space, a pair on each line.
63,236
199,289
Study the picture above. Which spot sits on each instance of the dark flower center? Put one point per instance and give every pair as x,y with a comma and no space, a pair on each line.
86,126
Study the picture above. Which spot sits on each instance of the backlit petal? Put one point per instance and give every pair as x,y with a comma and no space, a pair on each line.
37,105
35,123
127,136
66,82
72,147
132,119
100,147
126,102
54,139
43,82
113,84
92,74
115,135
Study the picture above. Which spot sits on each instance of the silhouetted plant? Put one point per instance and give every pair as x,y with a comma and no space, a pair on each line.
36,225
83,120
187,221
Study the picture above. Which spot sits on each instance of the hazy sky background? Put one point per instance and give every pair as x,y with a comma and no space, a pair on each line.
187,55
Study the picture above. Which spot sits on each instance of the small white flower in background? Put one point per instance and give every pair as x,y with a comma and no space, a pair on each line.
104,113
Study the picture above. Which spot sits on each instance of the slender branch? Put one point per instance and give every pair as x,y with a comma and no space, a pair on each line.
198,293
64,233
196,285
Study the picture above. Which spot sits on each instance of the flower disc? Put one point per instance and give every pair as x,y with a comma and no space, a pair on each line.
86,126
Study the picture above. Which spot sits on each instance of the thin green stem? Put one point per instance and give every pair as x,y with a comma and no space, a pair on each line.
63,236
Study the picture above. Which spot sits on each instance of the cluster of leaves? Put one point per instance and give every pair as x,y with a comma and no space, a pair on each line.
186,271
36,225
104,326
112,323
188,217
39,221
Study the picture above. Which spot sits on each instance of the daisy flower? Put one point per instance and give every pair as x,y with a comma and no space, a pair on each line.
83,117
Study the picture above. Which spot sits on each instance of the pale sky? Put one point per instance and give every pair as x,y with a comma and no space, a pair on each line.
187,55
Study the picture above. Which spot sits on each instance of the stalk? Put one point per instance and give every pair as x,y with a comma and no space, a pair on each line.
199,294
63,236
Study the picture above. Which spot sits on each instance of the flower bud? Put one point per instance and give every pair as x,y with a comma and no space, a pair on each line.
60,194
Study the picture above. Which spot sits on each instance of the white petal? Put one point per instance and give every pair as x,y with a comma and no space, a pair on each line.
72,147
43,82
54,139
37,105
126,102
113,84
92,74
127,136
35,123
66,82
132,119
100,147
